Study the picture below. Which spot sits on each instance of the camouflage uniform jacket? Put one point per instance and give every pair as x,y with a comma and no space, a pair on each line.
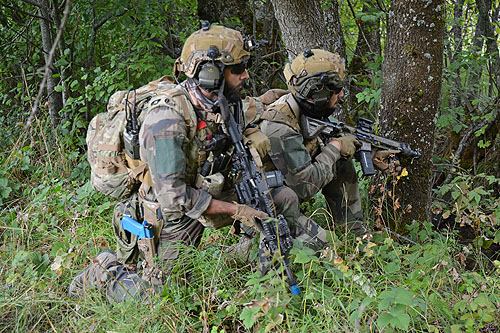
308,165
171,140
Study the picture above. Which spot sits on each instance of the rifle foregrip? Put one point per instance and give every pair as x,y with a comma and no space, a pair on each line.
365,158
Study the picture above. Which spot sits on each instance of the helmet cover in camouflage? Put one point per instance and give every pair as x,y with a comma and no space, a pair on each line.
312,70
229,43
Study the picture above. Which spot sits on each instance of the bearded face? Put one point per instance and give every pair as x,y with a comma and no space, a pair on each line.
233,92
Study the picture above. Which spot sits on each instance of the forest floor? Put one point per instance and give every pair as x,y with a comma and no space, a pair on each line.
434,283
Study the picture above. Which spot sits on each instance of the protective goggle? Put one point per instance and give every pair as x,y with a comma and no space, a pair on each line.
319,87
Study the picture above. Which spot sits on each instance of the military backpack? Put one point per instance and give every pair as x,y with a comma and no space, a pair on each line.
112,140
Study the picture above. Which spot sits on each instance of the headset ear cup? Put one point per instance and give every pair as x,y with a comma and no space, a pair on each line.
209,76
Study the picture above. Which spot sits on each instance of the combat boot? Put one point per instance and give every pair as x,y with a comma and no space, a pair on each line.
358,228
95,276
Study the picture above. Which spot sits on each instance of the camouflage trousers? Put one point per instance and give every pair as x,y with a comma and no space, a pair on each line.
343,197
125,284
302,228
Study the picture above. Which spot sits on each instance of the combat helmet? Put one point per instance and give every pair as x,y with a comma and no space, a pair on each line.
314,76
207,51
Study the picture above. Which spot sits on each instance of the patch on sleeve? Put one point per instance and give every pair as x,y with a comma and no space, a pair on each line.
296,154
169,155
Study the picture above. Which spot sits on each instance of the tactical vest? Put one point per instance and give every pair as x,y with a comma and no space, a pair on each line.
286,111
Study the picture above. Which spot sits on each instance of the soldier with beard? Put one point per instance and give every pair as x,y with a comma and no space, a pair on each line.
183,141
178,134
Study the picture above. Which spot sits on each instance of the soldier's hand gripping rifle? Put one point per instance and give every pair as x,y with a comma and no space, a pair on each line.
253,191
363,132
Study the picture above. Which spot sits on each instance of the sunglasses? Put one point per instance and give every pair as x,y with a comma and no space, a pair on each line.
238,69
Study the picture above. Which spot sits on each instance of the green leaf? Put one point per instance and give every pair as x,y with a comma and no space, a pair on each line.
402,321
304,256
59,88
487,318
457,128
384,319
249,316
483,144
404,297
482,300
391,267
386,300
61,62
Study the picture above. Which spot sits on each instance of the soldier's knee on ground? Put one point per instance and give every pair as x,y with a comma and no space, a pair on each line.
311,234
95,276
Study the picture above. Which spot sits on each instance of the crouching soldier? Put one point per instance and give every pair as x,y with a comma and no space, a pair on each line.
315,81
184,142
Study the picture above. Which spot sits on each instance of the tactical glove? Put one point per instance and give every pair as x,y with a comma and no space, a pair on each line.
385,161
258,140
247,215
348,146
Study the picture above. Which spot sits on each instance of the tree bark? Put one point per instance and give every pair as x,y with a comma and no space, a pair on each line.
484,7
55,102
458,46
411,87
302,24
257,20
222,11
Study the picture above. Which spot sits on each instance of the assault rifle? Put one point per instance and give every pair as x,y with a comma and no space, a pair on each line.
363,131
253,190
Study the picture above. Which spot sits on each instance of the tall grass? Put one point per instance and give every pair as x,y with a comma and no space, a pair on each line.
52,223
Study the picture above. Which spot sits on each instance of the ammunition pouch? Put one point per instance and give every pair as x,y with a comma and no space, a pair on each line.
212,184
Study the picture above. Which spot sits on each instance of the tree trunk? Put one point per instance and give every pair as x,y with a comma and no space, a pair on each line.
222,11
302,24
411,87
484,7
458,46
54,98
257,18
62,48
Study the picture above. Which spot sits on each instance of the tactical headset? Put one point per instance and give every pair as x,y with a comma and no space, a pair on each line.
211,73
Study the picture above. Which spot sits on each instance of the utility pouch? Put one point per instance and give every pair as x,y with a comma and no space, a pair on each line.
212,184
148,246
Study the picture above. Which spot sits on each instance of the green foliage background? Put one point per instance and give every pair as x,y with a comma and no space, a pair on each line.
52,222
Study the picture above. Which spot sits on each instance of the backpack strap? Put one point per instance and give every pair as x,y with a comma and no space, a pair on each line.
140,170
286,113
